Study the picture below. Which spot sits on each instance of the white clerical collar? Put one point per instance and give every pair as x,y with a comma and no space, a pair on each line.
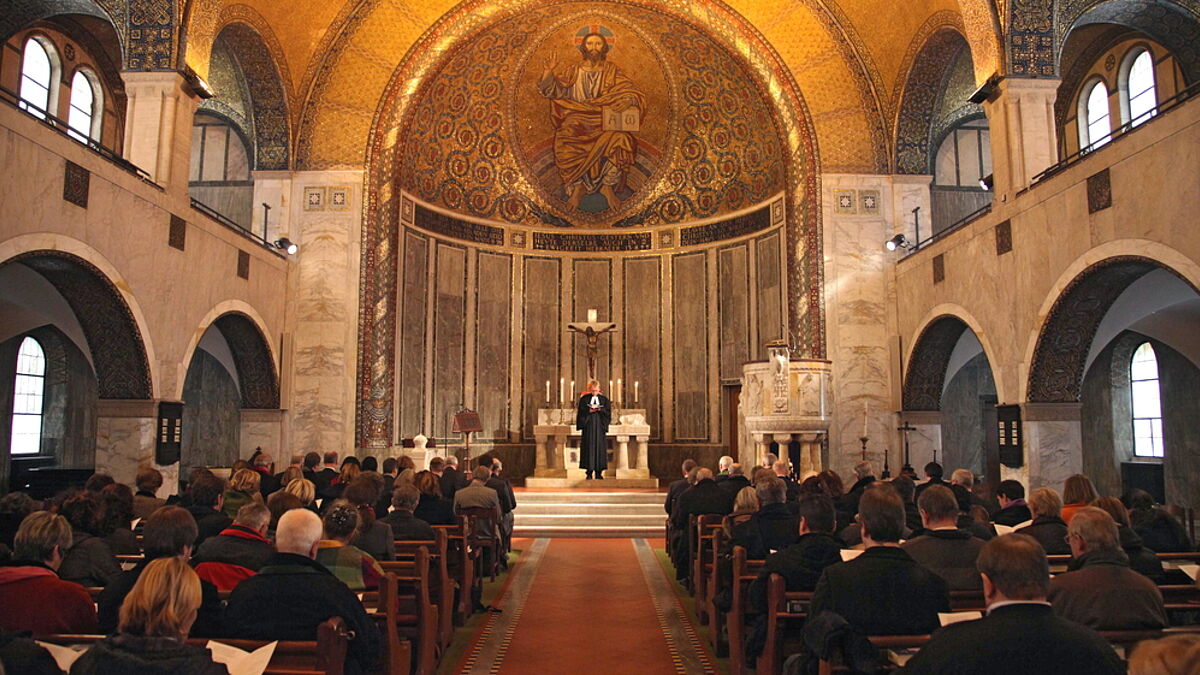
595,400
1004,603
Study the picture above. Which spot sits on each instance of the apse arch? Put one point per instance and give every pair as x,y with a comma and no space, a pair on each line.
257,378
265,76
22,14
377,318
981,26
114,338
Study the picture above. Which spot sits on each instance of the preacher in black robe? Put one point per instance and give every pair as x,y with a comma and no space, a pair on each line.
593,416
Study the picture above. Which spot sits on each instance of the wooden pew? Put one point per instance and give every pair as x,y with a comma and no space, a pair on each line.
462,567
406,612
324,656
701,546
745,571
492,543
441,586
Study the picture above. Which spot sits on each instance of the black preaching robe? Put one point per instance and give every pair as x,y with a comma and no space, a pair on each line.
593,448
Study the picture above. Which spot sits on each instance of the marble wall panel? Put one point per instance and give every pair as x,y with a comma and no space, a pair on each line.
967,394
924,446
543,321
690,315
642,339
414,291
211,414
449,334
493,331
1053,451
770,293
733,310
124,445
592,281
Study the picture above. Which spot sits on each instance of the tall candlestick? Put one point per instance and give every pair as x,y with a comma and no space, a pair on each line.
560,390
866,413
610,391
592,316
619,389
547,391
636,383
573,399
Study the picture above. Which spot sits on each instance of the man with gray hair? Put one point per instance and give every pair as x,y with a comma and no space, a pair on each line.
864,474
1099,589
733,483
293,594
239,551
723,465
452,479
773,527
406,526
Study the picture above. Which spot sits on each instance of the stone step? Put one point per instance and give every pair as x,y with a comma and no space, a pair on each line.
589,531
575,519
525,508
590,497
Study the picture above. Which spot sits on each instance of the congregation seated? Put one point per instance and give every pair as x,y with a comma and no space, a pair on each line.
285,478
478,495
390,470
864,476
942,547
263,465
156,618
116,515
772,527
328,472
830,484
1013,509
353,567
1047,526
14,507
145,500
1160,531
305,491
677,487
89,561
907,490
1020,635
271,606
243,488
452,479
169,532
373,536
278,504
204,503
1171,655
705,497
933,476
883,591
1099,590
723,465
1141,558
349,471
432,507
405,525
745,504
1077,493
508,503
32,596
782,470
735,480
311,464
239,551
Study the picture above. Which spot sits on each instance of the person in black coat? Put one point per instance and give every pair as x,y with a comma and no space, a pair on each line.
1013,509
592,417
432,507
452,479
406,526
733,483
883,591
205,506
271,605
704,497
934,473
321,479
865,475
1047,527
1022,636
773,527
1159,530
677,487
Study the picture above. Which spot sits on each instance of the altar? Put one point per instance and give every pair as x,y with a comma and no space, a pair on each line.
558,451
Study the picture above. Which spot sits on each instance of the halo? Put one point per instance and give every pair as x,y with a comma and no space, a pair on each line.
599,29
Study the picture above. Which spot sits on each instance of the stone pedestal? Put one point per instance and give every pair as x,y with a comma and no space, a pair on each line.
1024,139
125,435
785,401
158,126
557,449
1053,443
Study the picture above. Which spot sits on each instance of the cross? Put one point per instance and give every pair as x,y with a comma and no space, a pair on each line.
591,329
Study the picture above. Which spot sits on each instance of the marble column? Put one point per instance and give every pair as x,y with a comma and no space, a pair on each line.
643,459
810,453
262,429
925,440
622,452
1053,443
125,435
158,126
1024,138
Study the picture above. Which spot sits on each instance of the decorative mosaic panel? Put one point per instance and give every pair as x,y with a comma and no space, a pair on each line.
1004,241
268,100
458,229
1099,191
726,229
499,135
561,241
150,40
339,198
845,202
926,91
1031,41
868,202
314,199
177,233
76,181
926,373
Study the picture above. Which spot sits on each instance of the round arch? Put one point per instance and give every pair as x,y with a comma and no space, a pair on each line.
24,13
936,49
1169,23
951,310
929,357
256,370
113,335
269,97
981,26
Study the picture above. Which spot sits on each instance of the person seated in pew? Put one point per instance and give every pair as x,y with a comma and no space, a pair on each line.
883,591
205,496
1141,559
745,503
1099,590
908,493
864,477
674,532
452,479
169,532
772,528
89,561
677,487
1020,635
1161,531
943,548
351,565
242,489
1013,509
374,536
735,481
156,618
1172,655
145,500
1047,527
432,507
239,551
388,475
116,519
705,497
278,504
32,596
293,594
304,490
406,526
508,503
478,495
782,470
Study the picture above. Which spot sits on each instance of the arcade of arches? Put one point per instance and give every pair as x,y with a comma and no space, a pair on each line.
463,179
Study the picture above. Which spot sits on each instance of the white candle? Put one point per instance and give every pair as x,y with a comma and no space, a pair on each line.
610,387
866,413
547,391
592,316
619,389
636,383
572,388
560,390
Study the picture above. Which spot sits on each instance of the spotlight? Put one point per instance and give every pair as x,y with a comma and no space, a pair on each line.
288,245
986,92
197,84
986,182
898,241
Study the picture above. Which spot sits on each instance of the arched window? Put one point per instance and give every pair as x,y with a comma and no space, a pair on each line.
37,72
28,394
1097,130
83,118
965,156
1139,89
1147,410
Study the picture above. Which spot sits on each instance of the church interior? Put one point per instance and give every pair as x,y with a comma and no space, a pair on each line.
829,231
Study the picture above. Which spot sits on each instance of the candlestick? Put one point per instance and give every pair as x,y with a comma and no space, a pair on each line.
592,316
560,390
547,391
573,392
866,413
636,384
619,389
610,391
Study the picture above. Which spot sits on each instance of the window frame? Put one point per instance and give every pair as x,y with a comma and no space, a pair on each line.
951,134
1083,120
232,128
1158,443
1126,96
41,414
55,84
96,122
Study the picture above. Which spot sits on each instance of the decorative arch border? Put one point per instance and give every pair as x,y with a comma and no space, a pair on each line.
114,339
1060,346
377,285
1174,25
257,376
983,29
250,314
15,18
267,84
955,311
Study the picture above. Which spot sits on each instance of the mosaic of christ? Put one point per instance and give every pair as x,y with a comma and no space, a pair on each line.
598,141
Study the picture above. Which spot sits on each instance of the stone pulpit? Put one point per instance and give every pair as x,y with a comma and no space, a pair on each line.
784,399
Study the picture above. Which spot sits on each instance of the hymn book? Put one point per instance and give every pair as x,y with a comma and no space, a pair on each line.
239,661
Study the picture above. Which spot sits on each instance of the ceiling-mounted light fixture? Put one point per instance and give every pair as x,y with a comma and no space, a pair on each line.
285,244
197,84
898,241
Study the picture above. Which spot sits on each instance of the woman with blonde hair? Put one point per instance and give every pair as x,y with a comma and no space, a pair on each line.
305,490
242,489
155,620
746,501
1173,655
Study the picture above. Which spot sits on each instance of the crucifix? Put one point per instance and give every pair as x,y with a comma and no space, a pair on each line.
591,329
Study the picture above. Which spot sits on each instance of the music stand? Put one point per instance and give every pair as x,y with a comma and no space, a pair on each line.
465,422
